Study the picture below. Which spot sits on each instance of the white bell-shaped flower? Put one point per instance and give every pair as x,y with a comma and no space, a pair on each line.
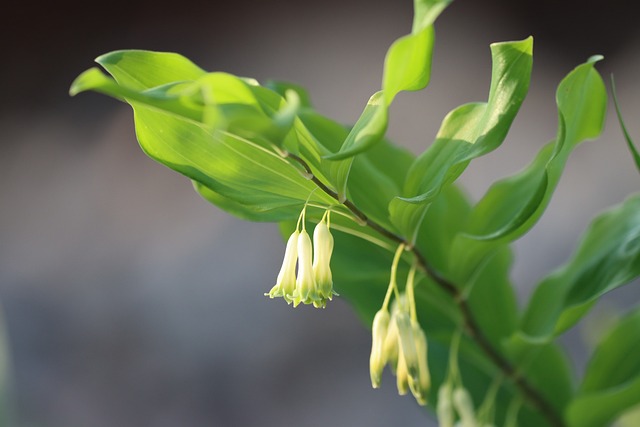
286,280
464,407
306,290
407,344
444,408
322,249
402,375
378,358
420,388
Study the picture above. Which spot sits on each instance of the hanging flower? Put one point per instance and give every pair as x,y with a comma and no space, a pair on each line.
398,338
444,409
421,384
464,407
312,282
306,289
286,281
378,358
322,249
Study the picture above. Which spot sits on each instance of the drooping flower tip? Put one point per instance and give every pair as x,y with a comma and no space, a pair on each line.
403,345
444,408
421,384
378,358
464,406
407,343
306,289
286,281
322,250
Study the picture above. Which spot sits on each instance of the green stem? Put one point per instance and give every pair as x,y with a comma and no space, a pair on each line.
471,327
393,286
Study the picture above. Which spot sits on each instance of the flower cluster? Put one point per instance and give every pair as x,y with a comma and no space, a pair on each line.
398,339
458,400
311,282
455,407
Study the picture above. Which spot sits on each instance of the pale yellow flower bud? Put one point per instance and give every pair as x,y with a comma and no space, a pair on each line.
407,344
322,249
286,281
391,343
444,409
378,358
464,406
306,291
420,388
402,375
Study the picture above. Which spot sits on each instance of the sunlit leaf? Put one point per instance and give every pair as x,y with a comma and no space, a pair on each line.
407,68
513,205
467,132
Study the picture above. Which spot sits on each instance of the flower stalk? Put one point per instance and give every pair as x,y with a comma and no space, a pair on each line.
530,394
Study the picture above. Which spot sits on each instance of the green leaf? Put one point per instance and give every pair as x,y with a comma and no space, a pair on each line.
632,147
163,98
407,68
281,88
467,132
217,129
608,257
492,287
611,383
160,68
513,205
231,166
550,371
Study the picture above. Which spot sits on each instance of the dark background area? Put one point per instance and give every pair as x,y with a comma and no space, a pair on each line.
129,301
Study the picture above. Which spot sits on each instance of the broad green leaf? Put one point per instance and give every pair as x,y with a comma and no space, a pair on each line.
231,166
550,371
492,287
142,69
217,130
443,221
608,257
632,147
611,383
249,212
161,99
513,205
173,83
407,68
467,132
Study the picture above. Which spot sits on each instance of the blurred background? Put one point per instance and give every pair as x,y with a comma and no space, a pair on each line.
129,301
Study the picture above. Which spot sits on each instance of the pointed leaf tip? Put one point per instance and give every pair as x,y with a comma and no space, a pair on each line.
595,58
88,80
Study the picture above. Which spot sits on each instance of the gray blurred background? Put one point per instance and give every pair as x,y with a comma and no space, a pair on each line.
129,301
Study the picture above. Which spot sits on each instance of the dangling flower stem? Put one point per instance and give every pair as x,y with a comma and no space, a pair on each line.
530,394
393,284
410,294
